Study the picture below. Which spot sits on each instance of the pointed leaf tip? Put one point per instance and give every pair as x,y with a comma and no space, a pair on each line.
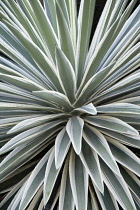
89,109
74,129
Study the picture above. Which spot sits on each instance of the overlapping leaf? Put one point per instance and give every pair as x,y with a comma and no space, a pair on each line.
69,105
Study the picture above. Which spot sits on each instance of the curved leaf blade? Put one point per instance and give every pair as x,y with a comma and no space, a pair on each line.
67,75
74,129
79,181
91,162
51,174
62,144
111,123
97,141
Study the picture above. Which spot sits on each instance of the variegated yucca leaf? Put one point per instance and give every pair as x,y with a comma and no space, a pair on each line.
69,106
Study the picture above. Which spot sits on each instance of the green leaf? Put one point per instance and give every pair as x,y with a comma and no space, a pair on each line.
79,181
132,181
84,29
19,106
97,142
21,82
63,7
125,85
17,198
44,25
34,182
7,70
66,198
22,154
119,108
118,188
62,144
94,204
66,74
99,53
64,36
111,123
133,100
91,162
110,12
92,84
20,92
28,136
106,199
73,21
12,192
25,23
89,109
124,156
42,61
55,97
12,120
51,174
30,123
129,140
14,50
36,199
50,7
74,129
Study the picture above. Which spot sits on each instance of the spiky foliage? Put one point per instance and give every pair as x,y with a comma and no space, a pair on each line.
69,111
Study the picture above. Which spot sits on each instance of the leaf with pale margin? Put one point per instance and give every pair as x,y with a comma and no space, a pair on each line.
118,188
97,141
66,74
51,174
111,123
90,160
62,144
74,129
119,108
79,181
26,124
66,198
125,156
34,181
88,109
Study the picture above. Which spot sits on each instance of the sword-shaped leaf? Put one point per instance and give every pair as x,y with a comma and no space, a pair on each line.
118,188
106,199
111,123
66,197
125,156
78,181
64,36
51,174
21,82
132,181
119,108
50,7
66,74
84,29
55,97
28,136
91,162
97,141
34,182
30,123
62,144
43,62
74,129
89,88
129,140
43,24
89,109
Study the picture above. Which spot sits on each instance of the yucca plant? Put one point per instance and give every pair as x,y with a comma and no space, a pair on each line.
70,106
